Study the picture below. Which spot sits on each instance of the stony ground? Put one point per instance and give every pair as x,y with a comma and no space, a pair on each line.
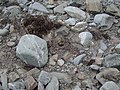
59,45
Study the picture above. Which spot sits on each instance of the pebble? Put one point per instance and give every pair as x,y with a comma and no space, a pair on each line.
85,38
53,59
75,12
60,62
81,76
103,46
79,59
95,67
70,21
11,44
76,88
4,31
110,85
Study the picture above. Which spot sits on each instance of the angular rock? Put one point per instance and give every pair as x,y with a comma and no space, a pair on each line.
117,48
37,6
32,50
75,12
60,62
79,59
40,86
110,85
70,21
108,74
76,88
85,38
60,8
18,85
112,60
53,85
30,83
80,26
44,77
93,5
13,76
104,21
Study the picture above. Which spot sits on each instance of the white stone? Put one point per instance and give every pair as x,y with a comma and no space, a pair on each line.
70,21
75,12
60,62
32,50
85,38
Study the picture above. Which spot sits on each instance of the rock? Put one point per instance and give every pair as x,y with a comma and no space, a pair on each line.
53,85
4,31
60,8
40,86
112,60
81,76
93,5
13,76
75,12
30,83
13,39
95,67
60,62
79,59
103,46
117,48
53,59
108,74
67,55
44,77
110,85
12,11
80,26
11,44
38,7
22,1
62,76
18,85
70,21
104,21
76,88
85,38
50,1
32,50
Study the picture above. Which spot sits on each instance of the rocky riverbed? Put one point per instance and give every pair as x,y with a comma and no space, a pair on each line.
59,45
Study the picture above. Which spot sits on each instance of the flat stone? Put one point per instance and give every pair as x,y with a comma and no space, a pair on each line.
60,8
75,12
110,85
93,5
13,76
11,44
30,83
44,77
79,59
112,60
37,6
107,74
53,85
32,50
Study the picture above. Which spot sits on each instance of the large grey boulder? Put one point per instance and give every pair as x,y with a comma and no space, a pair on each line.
32,50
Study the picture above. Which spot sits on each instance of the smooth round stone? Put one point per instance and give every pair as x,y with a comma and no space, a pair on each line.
10,44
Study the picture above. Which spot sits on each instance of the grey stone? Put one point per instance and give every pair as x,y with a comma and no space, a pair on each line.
4,31
112,60
18,85
37,6
79,59
70,21
95,67
40,86
32,50
53,85
60,8
10,44
117,48
110,85
13,76
103,46
104,21
76,88
85,38
44,77
75,12
22,1
12,11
